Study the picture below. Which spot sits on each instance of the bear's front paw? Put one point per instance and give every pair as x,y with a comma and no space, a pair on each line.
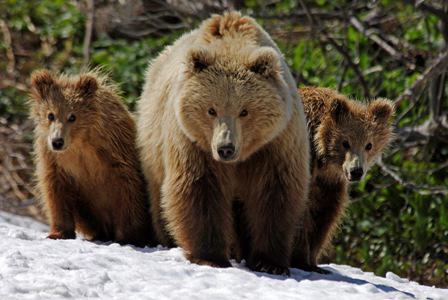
62,235
312,268
217,263
261,265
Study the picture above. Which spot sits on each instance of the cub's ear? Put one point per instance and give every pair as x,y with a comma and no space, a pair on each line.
42,83
265,61
339,109
87,85
199,59
382,110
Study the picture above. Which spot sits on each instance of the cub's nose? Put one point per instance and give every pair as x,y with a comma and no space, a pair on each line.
57,143
226,152
356,174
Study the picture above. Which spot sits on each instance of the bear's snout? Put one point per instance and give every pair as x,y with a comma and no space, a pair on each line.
226,152
57,143
356,174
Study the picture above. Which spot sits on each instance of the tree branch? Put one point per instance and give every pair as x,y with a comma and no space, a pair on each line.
439,65
371,34
90,21
338,48
421,189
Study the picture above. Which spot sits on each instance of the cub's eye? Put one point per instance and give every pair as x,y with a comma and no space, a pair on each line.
346,145
243,113
212,112
72,118
369,146
51,117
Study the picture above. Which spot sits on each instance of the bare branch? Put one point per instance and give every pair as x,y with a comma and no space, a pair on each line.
11,66
421,189
439,66
89,31
371,34
338,48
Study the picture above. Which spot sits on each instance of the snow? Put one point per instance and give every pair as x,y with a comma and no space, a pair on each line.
33,267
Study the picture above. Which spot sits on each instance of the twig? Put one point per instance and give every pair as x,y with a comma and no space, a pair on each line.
421,189
371,34
440,65
5,82
300,15
338,48
431,9
9,48
89,31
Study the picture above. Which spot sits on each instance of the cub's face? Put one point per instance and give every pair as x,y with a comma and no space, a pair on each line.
230,109
354,136
62,109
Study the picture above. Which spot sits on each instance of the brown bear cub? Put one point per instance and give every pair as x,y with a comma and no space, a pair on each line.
88,169
346,138
220,119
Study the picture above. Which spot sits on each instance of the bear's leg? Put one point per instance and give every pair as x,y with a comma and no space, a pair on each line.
327,204
158,222
198,215
241,240
271,214
129,211
59,199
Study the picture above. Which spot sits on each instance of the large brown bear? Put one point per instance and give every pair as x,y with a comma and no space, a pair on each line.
88,169
346,138
220,119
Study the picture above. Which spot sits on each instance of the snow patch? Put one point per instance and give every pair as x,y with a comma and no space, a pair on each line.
33,267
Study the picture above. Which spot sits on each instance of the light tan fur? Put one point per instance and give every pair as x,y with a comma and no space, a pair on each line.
347,137
225,83
93,183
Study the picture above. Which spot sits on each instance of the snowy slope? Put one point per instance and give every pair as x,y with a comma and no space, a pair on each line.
32,267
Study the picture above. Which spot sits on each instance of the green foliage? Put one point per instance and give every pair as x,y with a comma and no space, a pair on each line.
127,62
388,227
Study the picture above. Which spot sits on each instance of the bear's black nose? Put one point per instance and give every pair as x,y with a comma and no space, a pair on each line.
356,174
57,143
226,152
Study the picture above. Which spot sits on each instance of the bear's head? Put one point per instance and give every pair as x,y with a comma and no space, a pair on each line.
62,108
231,106
353,135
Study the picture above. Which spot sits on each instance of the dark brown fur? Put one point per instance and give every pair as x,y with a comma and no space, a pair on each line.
94,184
333,119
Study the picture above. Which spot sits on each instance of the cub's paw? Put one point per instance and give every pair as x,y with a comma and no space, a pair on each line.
261,265
62,235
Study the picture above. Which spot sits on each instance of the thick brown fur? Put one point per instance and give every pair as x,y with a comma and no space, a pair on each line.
93,184
225,83
345,135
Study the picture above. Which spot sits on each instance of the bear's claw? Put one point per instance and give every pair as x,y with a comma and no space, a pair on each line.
62,235
266,267
212,263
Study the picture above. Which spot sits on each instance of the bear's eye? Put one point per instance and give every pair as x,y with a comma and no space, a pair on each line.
369,146
346,145
72,118
211,112
243,113
51,117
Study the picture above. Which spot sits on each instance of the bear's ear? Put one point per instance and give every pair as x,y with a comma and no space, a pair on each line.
339,109
199,59
265,62
42,82
382,110
87,85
